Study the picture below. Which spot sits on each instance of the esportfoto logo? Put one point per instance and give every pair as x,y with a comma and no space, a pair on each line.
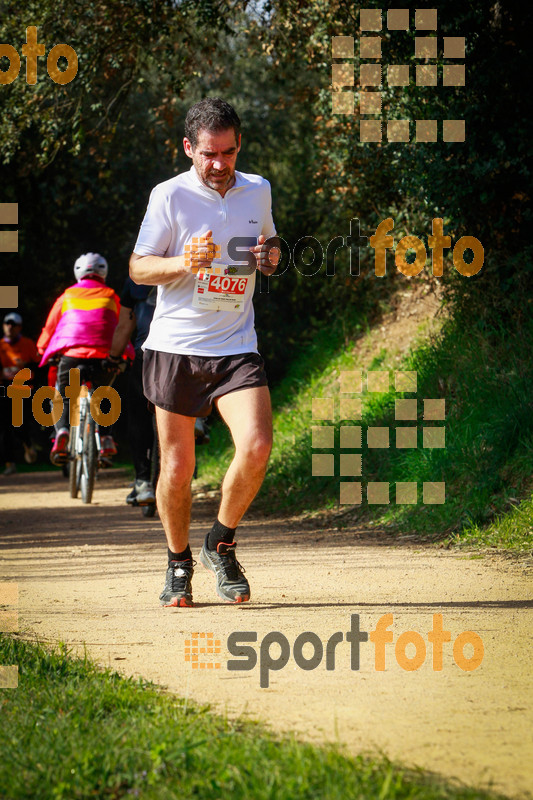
273,652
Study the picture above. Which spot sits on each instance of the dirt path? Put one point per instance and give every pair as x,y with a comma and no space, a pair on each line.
92,576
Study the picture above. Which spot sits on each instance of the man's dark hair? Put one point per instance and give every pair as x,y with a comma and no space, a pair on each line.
211,114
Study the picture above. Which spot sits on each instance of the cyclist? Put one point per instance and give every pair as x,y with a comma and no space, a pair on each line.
79,329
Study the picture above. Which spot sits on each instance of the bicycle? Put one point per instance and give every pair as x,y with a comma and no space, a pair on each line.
85,444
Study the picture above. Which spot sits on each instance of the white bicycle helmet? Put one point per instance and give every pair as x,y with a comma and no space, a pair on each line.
90,264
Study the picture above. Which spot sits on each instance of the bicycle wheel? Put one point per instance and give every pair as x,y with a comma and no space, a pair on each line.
74,463
89,461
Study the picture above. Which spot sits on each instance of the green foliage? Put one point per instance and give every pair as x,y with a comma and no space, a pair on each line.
487,461
480,187
81,159
73,731
487,383
510,531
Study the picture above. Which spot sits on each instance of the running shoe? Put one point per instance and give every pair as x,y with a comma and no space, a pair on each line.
108,446
59,452
10,469
231,583
142,494
177,591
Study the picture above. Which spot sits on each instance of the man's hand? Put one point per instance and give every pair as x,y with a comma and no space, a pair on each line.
266,255
113,364
201,252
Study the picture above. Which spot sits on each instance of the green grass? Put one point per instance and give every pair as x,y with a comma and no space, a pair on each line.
486,379
73,731
510,531
488,459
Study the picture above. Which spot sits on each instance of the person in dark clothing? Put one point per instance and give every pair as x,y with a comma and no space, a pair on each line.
137,309
16,352
137,305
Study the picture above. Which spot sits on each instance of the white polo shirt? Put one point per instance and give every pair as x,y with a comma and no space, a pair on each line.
180,209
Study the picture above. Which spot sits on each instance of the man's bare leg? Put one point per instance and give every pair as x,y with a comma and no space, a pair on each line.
176,443
248,415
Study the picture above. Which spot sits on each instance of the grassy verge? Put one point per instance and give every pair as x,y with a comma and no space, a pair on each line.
73,731
486,379
510,531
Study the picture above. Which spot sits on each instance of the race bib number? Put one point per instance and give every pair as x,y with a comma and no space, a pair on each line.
219,292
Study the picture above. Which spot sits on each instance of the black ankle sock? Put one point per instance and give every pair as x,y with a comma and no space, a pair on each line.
219,533
183,556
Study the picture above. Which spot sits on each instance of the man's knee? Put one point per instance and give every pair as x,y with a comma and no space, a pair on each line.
258,447
177,468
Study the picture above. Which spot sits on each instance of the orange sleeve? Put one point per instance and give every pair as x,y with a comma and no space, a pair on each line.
29,350
50,325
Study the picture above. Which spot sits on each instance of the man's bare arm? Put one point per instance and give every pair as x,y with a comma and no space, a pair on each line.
159,270
156,270
125,327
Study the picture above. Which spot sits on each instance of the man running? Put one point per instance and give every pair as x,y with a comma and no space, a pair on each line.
202,345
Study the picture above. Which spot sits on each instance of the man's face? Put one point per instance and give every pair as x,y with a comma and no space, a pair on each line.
214,157
11,329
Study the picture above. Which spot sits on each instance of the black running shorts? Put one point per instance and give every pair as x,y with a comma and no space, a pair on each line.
188,385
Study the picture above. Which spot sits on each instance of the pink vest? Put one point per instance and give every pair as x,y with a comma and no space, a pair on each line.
89,316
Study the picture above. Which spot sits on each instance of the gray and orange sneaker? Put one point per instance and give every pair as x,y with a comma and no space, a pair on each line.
177,591
231,586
